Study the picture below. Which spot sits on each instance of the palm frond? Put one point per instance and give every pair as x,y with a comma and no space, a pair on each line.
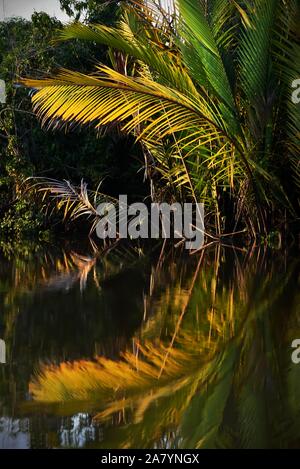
206,90
75,202
131,39
255,49
199,38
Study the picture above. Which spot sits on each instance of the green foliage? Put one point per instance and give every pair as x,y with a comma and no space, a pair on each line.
206,90
22,221
28,150
91,11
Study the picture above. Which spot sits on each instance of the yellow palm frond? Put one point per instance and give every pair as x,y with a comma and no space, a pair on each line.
110,96
102,377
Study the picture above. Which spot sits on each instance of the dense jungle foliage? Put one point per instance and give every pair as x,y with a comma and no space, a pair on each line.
203,88
28,150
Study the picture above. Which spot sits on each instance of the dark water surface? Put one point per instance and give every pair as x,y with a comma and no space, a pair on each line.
133,351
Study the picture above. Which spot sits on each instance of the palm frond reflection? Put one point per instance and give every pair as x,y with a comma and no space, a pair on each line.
203,384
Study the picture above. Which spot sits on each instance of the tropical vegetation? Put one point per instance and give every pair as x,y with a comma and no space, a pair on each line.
204,86
26,149
140,344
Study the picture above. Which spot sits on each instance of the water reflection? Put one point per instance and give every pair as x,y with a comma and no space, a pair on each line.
14,433
131,350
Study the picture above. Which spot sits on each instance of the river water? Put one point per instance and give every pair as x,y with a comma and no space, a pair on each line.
137,350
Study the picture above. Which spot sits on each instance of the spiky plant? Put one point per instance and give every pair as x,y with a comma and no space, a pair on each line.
206,88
